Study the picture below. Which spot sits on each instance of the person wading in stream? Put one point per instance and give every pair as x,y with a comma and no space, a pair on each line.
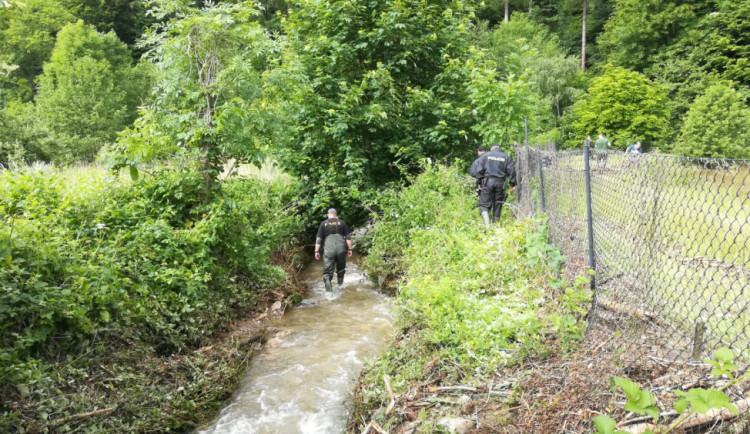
497,167
333,236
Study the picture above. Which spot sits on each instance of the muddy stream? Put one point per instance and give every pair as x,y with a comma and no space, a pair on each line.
301,381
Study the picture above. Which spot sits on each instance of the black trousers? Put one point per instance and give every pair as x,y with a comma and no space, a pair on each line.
492,197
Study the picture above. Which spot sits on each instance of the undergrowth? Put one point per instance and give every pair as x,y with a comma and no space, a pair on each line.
471,300
105,280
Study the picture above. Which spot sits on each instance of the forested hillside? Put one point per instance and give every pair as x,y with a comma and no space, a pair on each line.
671,74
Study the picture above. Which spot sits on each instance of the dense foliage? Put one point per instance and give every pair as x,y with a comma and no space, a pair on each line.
349,97
361,89
717,125
470,301
624,105
84,253
377,85
208,80
87,93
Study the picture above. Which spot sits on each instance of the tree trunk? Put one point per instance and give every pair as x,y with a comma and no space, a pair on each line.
583,35
531,5
507,10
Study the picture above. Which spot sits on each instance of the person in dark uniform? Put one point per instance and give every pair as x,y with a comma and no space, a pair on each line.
333,236
476,166
496,169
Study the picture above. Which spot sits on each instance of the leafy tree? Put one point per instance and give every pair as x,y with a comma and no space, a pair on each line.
206,107
523,47
717,125
127,18
88,92
725,39
624,105
714,49
374,86
22,133
638,29
27,34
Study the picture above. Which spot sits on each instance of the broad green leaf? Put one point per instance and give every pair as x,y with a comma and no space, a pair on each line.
134,173
604,424
632,390
681,405
724,355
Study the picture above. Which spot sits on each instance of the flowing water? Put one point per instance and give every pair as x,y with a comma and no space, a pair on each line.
302,380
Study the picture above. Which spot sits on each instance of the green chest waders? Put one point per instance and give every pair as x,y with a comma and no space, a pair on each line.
334,259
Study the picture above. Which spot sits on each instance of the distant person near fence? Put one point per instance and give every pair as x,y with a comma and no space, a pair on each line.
634,149
602,146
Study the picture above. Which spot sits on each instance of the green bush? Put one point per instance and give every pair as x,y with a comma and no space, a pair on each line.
83,253
717,125
624,105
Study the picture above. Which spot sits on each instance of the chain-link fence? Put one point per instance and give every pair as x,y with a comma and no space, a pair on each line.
670,243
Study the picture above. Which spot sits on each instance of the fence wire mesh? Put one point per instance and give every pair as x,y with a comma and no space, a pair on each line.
671,243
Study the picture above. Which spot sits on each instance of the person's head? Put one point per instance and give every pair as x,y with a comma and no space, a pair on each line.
495,146
332,213
589,137
637,145
601,135
481,150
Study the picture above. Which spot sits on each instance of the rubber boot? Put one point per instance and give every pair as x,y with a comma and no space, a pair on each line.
340,279
486,218
327,282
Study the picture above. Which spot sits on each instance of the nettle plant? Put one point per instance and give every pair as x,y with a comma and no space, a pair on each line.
699,400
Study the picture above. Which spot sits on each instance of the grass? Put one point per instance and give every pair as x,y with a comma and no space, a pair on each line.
676,229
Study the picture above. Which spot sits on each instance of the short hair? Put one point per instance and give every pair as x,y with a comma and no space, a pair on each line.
332,211
482,149
495,146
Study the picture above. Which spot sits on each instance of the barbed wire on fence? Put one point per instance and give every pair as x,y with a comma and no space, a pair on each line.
671,243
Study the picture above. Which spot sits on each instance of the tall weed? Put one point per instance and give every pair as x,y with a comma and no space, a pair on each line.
472,300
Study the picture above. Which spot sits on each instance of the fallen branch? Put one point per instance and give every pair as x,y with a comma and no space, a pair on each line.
464,388
694,420
392,404
79,416
377,428
617,307
638,420
367,428
472,389
713,415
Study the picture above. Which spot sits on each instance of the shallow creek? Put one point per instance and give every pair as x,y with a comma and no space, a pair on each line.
301,381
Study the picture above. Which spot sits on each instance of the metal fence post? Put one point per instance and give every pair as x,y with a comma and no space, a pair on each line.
540,163
590,230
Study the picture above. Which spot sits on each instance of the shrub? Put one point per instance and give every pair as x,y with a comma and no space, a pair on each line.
471,300
622,104
717,125
83,253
